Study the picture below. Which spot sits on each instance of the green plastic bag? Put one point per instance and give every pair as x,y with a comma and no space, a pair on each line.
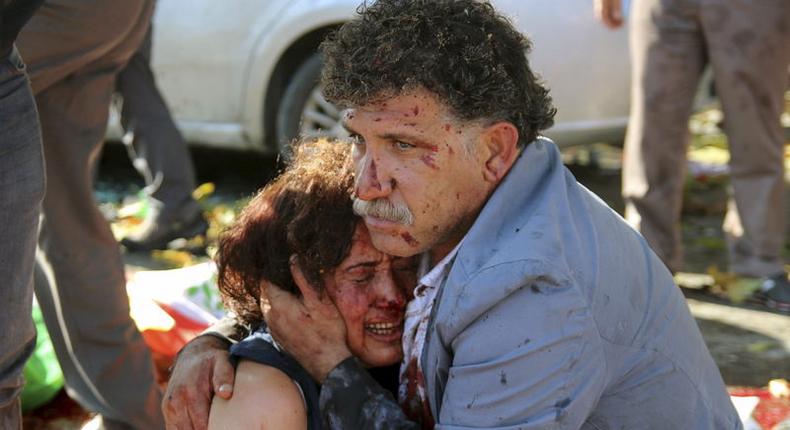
43,377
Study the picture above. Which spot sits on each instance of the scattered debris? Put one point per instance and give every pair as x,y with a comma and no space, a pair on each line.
172,258
779,388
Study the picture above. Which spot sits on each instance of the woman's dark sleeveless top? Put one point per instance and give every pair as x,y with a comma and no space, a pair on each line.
261,348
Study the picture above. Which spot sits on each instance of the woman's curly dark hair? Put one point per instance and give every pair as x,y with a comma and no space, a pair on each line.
306,211
463,51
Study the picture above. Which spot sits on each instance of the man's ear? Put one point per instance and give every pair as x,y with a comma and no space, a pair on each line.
501,144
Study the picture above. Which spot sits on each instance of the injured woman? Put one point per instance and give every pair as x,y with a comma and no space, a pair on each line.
300,233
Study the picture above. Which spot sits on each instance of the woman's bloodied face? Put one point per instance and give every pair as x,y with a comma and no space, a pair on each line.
370,290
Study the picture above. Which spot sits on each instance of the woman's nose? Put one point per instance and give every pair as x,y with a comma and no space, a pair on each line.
388,294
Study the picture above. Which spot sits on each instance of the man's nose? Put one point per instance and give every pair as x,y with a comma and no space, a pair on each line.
372,181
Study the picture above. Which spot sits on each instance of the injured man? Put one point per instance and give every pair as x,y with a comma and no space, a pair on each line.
534,305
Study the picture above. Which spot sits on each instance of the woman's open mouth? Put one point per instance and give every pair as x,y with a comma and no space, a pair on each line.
384,330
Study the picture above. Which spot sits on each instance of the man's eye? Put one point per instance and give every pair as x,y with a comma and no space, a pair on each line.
403,146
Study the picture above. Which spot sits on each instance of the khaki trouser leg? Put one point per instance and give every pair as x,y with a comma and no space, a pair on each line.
74,49
668,57
749,48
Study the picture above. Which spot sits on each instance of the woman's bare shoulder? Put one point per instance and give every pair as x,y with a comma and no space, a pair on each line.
263,398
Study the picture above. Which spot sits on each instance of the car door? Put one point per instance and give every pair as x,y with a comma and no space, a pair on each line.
200,57
585,65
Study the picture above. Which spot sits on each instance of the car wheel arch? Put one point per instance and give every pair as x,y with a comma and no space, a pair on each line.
288,63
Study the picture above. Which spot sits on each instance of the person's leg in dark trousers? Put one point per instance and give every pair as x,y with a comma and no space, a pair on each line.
74,49
668,56
21,191
160,155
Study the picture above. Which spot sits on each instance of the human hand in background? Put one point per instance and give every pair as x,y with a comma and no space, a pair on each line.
610,12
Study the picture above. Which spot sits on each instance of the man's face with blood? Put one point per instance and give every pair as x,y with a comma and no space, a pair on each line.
419,172
369,289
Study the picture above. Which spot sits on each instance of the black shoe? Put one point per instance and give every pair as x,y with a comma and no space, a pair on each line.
775,293
165,224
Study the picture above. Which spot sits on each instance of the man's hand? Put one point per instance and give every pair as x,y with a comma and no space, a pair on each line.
610,12
311,329
201,371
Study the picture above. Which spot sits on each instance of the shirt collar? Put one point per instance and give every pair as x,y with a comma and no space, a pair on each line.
434,277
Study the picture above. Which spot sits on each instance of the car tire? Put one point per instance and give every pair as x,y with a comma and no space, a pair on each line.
303,109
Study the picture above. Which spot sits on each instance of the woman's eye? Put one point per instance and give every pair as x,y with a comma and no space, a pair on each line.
356,139
363,279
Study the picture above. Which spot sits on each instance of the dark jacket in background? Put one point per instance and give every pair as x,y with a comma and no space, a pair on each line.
13,16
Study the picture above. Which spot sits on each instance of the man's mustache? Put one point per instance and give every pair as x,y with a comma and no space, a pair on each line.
383,209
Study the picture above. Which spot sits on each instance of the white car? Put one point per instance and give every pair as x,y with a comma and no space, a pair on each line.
244,74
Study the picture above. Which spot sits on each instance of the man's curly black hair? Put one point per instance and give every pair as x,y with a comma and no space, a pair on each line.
463,51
